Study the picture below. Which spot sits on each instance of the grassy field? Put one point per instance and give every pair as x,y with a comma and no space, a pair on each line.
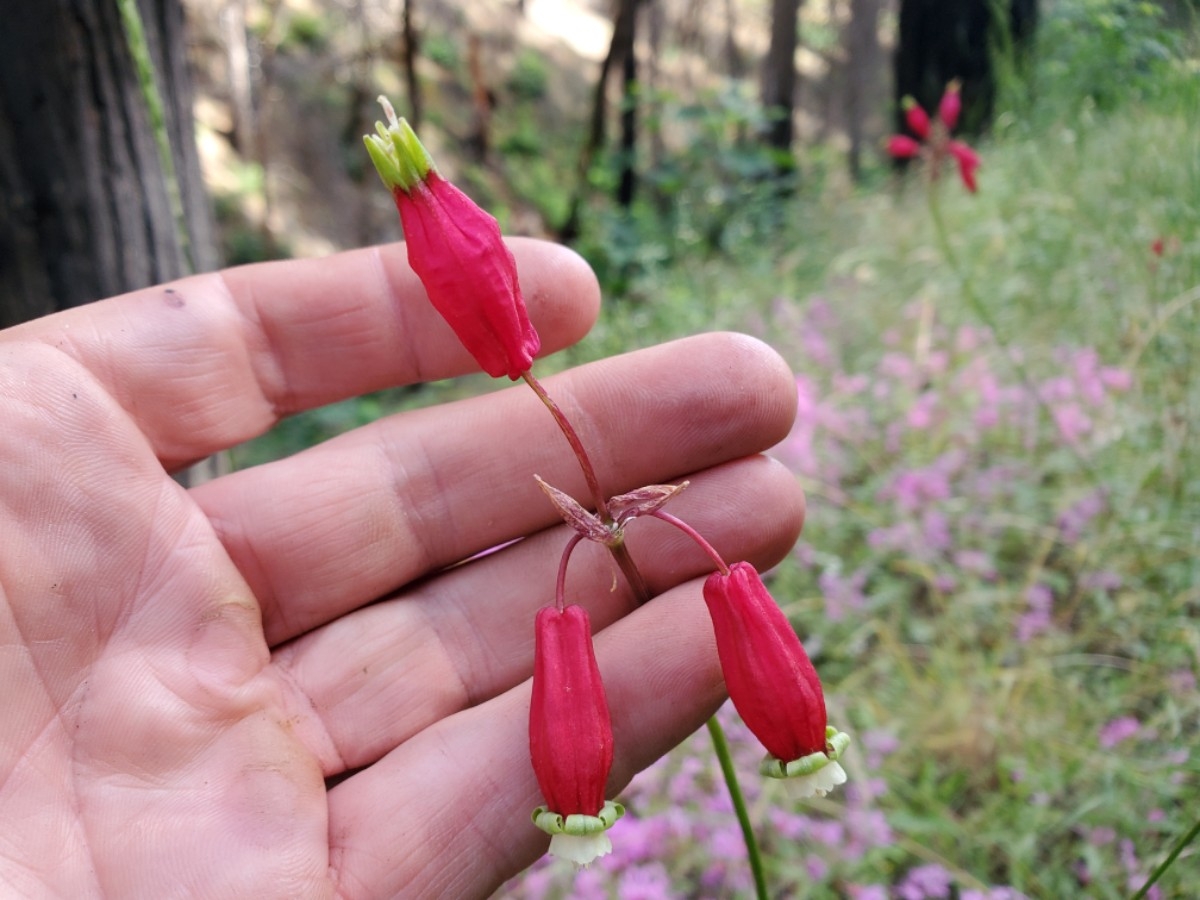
999,578
998,428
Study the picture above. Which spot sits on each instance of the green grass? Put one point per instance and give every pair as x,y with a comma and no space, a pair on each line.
1001,776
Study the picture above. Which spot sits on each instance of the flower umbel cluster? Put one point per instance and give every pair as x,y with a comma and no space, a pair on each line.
470,276
932,141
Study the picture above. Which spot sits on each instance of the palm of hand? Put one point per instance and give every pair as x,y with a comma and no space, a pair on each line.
152,739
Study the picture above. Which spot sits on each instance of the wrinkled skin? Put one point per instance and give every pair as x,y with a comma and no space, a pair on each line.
277,683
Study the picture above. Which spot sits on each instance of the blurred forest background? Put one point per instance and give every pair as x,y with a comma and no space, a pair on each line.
999,392
556,113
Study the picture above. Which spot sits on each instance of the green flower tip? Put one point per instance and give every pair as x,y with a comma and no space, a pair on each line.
815,774
399,157
906,102
578,838
577,824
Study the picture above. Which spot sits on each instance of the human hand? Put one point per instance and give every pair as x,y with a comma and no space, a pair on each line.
279,683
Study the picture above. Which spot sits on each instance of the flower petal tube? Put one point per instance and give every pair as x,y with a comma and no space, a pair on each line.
916,118
456,250
570,737
968,162
951,105
772,682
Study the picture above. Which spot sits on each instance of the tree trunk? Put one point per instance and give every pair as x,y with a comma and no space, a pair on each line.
734,64
479,140
624,21
779,79
627,186
410,50
938,42
232,22
863,58
85,204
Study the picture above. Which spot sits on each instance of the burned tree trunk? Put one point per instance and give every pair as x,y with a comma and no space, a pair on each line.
86,202
940,41
410,50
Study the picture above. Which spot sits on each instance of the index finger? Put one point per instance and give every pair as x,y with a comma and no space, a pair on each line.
209,361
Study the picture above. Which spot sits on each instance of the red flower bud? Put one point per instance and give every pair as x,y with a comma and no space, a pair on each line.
773,685
570,736
951,105
968,162
916,117
570,733
770,679
456,250
901,146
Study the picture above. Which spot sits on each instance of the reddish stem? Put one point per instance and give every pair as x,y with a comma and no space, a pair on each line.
695,536
560,586
620,553
564,425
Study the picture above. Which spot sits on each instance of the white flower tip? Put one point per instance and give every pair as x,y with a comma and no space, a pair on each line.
816,784
388,111
580,849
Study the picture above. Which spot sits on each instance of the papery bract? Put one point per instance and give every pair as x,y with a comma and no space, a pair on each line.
570,737
456,250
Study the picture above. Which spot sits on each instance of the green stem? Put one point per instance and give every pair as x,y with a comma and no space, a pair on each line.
1166,863
721,748
981,310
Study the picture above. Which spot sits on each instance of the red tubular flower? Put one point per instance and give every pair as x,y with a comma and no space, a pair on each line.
968,162
772,682
570,737
456,250
916,118
901,146
951,105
